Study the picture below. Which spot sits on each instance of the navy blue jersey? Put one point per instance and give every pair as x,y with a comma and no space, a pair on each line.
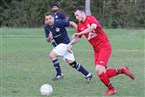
58,31
59,16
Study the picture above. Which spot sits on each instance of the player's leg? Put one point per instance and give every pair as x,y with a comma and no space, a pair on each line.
124,70
53,56
79,67
59,50
101,72
101,60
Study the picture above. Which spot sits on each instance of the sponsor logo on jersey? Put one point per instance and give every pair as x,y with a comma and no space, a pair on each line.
91,34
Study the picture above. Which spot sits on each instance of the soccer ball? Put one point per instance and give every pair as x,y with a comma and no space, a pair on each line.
46,90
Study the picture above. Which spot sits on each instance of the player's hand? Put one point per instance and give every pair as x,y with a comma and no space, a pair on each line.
69,48
76,35
50,37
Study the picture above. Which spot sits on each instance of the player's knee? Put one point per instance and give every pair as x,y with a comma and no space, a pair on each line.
51,57
73,64
97,70
100,69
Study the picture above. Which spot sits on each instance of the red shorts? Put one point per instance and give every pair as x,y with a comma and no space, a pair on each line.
102,55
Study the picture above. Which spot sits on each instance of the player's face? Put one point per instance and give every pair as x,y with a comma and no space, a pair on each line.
55,8
79,16
49,20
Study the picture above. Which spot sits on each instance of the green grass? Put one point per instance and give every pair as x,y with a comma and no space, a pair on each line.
25,65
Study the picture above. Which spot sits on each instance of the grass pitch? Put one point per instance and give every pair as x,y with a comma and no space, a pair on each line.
25,66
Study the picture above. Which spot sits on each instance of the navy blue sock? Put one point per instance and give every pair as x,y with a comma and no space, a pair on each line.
81,69
57,66
53,42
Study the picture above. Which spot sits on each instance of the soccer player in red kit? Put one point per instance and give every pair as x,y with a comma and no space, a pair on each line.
91,29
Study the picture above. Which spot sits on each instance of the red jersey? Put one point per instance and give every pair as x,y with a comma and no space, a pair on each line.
98,37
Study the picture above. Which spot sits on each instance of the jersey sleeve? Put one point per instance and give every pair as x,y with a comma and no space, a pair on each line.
63,16
92,20
47,31
63,23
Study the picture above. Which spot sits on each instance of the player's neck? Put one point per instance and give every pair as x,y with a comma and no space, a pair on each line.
52,25
55,12
84,18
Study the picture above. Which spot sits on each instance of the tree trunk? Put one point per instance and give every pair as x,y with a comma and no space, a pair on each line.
87,7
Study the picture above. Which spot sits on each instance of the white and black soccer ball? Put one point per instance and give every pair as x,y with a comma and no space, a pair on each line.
46,90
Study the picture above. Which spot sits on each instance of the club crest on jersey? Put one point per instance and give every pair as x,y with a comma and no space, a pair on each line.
57,29
82,29
56,16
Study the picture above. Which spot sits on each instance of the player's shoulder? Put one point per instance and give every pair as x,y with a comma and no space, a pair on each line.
90,17
46,26
61,22
57,22
93,19
61,13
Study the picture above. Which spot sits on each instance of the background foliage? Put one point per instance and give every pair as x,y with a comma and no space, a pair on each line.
110,13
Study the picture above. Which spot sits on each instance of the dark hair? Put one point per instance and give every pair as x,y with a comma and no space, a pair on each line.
55,4
48,13
80,9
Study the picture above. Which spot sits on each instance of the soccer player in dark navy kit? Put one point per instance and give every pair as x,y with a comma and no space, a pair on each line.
58,15
59,34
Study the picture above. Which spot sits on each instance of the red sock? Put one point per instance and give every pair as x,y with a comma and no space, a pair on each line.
113,72
119,71
104,78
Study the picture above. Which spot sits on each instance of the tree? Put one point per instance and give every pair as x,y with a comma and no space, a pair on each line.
110,13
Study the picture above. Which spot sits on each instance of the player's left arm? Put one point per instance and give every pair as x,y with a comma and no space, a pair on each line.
89,29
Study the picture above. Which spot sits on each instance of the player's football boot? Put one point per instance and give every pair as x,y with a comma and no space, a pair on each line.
58,77
110,92
88,77
128,72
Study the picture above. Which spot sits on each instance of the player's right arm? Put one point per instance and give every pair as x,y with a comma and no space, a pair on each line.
74,40
50,37
48,34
